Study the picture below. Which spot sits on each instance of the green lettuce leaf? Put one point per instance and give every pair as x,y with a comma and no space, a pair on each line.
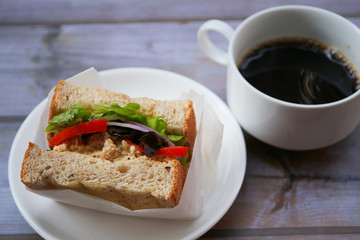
112,112
184,160
74,115
131,112
178,140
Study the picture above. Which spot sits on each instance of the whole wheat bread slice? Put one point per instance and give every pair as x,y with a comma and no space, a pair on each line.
178,114
139,183
135,183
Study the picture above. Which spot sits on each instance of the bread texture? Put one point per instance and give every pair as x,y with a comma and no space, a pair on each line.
178,114
107,166
139,183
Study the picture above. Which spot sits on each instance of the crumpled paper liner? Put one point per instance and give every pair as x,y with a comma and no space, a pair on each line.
203,164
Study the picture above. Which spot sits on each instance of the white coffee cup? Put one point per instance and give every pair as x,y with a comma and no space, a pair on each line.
283,124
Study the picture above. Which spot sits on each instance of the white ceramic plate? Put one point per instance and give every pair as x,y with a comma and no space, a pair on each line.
54,220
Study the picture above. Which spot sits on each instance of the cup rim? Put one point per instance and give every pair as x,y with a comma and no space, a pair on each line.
282,102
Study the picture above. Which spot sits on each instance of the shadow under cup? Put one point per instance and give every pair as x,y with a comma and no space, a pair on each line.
284,124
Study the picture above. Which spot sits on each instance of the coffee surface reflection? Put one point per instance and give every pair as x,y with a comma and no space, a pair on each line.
300,71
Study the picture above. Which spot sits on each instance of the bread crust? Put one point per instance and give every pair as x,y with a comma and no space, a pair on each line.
50,170
190,126
65,95
24,168
45,169
178,114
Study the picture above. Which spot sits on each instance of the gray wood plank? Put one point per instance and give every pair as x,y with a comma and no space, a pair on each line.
20,237
270,203
339,162
278,203
34,58
12,12
282,188
11,221
316,233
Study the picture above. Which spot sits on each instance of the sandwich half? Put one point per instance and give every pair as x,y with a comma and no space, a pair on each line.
134,152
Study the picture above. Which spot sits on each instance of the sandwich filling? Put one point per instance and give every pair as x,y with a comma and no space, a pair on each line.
102,145
113,131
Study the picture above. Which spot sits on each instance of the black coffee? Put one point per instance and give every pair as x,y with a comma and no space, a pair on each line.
299,71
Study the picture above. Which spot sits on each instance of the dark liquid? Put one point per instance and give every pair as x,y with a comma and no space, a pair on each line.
299,72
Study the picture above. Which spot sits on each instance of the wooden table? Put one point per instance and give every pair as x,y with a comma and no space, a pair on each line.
285,195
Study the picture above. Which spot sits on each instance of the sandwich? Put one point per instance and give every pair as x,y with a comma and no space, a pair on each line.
134,152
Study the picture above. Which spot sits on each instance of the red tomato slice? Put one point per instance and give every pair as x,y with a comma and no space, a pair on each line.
172,151
79,129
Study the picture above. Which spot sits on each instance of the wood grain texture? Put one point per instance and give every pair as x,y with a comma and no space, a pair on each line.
11,221
314,233
20,237
36,57
339,162
302,203
285,195
50,12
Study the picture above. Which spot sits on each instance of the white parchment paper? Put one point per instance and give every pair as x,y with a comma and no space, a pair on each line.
206,150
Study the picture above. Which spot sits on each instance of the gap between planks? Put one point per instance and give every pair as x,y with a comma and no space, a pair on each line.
126,21
298,231
12,119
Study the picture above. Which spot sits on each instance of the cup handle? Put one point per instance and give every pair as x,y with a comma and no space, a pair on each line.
207,46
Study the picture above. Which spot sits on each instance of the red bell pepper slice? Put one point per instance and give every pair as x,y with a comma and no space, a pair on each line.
79,129
165,151
172,151
137,147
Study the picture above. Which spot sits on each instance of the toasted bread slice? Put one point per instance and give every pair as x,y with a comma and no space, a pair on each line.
139,183
178,114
